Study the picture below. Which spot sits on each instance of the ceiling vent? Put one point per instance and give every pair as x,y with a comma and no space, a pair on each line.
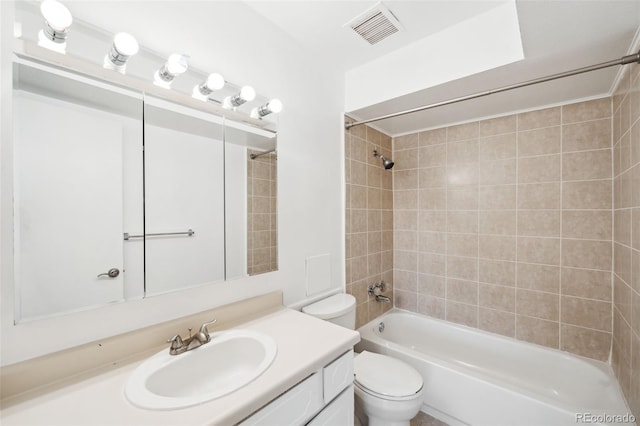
375,24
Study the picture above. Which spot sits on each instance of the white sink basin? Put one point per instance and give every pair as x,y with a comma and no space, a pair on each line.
228,362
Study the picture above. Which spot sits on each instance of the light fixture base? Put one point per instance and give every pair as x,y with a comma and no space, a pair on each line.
108,64
47,43
197,94
163,74
159,81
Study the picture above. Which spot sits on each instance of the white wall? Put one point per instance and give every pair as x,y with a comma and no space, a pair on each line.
246,48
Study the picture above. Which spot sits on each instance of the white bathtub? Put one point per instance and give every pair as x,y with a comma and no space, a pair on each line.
477,378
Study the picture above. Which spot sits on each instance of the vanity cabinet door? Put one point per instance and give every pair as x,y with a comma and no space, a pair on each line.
294,407
338,413
337,376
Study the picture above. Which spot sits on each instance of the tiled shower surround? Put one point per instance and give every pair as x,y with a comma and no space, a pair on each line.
506,225
369,219
626,250
526,225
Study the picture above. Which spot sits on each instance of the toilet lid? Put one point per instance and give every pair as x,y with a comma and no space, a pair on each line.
386,375
331,307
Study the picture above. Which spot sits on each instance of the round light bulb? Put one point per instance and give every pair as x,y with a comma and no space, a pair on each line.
177,63
56,14
247,93
215,81
126,44
275,106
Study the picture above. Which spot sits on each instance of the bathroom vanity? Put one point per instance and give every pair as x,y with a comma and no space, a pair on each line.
308,382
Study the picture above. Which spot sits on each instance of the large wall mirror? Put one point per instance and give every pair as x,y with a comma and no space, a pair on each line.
119,195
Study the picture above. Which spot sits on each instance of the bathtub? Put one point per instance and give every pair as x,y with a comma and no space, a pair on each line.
473,377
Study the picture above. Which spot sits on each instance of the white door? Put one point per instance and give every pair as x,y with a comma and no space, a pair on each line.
68,206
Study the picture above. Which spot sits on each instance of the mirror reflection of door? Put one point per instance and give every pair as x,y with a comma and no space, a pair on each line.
68,197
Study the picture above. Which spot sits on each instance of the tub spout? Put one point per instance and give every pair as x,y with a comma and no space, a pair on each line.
376,290
381,298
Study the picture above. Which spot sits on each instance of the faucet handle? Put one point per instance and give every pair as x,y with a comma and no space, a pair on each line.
204,331
176,344
175,341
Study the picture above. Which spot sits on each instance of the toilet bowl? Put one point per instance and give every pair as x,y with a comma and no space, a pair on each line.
388,392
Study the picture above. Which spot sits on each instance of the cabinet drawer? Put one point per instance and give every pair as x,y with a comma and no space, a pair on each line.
337,376
294,407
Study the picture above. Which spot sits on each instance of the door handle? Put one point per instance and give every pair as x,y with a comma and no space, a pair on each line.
111,273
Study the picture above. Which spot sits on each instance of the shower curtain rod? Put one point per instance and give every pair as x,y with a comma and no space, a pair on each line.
254,156
622,61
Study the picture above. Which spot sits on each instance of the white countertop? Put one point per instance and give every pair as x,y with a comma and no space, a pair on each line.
305,344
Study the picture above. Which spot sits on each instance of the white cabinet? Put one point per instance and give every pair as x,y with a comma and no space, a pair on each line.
294,407
338,413
337,375
325,398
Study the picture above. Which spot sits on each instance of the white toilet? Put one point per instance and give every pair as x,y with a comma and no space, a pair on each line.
388,392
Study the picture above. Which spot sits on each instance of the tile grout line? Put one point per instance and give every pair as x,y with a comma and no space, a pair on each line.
613,229
561,230
524,289
446,224
516,260
369,210
477,185
417,231
549,154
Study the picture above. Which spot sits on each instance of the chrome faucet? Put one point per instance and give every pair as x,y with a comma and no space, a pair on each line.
376,290
381,298
179,346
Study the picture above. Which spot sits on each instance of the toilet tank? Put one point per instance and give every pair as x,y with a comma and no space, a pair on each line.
339,309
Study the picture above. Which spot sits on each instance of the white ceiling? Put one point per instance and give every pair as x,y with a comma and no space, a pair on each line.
318,26
556,36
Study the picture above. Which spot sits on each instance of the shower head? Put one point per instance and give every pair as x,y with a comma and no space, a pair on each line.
386,162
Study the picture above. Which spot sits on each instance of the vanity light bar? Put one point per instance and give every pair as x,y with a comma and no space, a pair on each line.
53,36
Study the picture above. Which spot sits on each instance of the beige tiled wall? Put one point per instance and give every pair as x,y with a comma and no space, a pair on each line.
369,219
626,278
262,239
506,225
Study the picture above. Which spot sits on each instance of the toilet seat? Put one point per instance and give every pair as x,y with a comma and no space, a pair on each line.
386,377
378,396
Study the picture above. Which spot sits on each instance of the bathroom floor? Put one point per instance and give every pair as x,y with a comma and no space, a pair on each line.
423,419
